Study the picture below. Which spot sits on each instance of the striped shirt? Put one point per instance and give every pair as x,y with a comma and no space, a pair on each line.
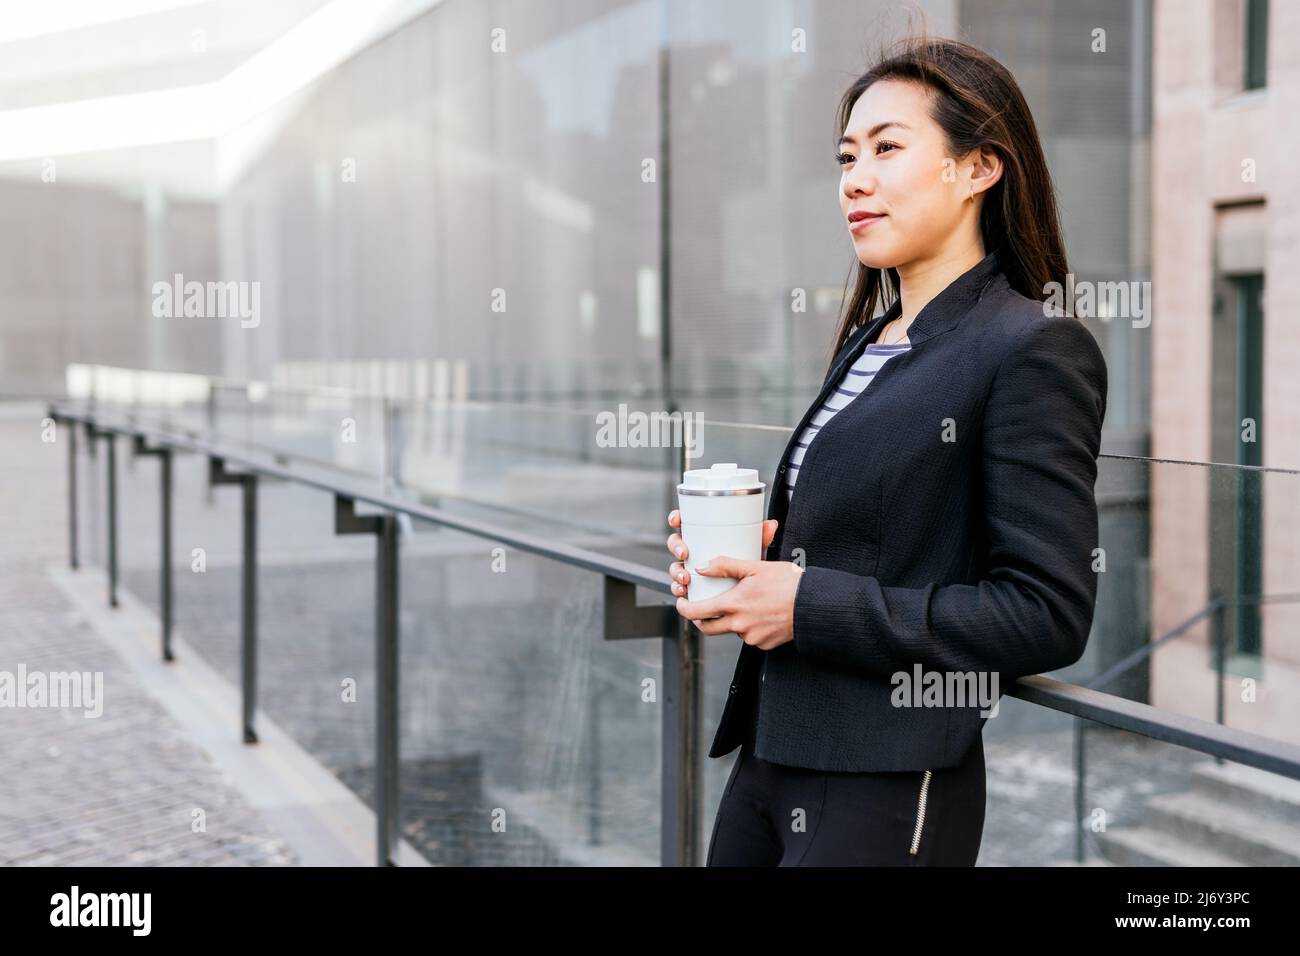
856,378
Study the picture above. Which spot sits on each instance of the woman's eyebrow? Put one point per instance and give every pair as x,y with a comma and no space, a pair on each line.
848,140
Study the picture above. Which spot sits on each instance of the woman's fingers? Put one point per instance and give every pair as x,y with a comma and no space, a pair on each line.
677,570
713,626
676,545
681,577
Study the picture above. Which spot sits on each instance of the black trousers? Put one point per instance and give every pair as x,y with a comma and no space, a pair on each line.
774,815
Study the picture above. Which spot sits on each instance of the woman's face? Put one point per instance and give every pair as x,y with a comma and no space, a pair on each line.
895,165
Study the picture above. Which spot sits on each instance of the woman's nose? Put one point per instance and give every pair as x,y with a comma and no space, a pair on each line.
859,183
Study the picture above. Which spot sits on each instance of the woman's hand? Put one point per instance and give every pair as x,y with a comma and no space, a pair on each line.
760,608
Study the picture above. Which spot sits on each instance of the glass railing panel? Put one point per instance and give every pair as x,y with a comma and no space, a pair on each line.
332,427
315,604
527,738
1150,803
1176,539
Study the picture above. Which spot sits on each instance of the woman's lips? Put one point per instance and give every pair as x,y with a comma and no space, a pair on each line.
864,222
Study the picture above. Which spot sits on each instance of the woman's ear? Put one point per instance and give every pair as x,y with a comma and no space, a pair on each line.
986,169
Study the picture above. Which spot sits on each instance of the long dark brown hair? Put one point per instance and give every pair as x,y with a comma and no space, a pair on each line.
976,102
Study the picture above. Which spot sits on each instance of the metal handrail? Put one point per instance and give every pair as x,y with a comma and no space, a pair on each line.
625,617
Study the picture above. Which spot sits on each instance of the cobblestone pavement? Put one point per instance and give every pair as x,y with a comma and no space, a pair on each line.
118,789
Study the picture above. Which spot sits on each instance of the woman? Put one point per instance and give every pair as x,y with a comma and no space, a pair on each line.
932,526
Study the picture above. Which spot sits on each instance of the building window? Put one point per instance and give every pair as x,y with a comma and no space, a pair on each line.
1256,52
1236,527
1250,401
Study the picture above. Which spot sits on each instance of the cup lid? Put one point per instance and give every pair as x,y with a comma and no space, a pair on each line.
724,478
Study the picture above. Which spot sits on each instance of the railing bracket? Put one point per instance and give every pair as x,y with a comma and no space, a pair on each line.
627,619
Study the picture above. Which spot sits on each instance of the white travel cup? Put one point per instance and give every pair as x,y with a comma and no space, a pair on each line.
722,513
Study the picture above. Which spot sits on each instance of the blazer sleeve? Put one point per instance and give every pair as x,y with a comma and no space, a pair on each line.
1033,610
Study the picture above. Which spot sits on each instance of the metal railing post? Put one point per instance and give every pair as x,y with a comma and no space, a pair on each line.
219,475
111,459
625,619
1219,633
689,682
593,748
249,607
674,830
387,646
1080,770
211,419
165,577
387,780
165,523
72,494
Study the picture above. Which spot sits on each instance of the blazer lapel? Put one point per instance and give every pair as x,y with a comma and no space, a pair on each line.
857,342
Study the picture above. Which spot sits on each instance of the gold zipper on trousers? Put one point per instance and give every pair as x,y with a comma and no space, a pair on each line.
920,812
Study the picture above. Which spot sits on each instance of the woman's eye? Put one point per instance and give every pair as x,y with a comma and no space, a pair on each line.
845,158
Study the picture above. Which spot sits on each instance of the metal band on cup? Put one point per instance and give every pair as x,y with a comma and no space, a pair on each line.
719,491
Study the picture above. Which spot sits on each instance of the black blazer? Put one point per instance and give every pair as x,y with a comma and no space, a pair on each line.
946,518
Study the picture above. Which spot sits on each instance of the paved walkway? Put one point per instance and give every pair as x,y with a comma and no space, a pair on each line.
147,768
125,787
122,788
